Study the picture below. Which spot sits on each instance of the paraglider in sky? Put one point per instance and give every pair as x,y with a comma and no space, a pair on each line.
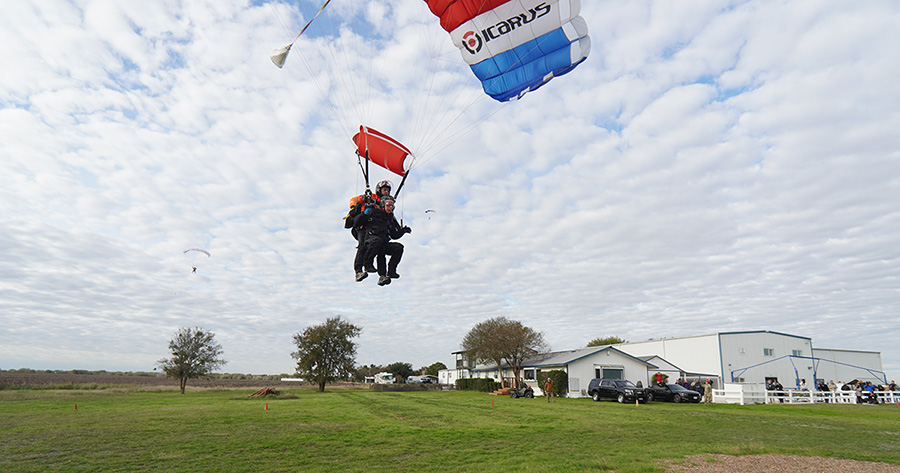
515,46
193,252
429,211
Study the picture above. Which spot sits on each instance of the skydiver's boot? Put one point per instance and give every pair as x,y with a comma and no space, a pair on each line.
392,265
360,275
392,272
383,280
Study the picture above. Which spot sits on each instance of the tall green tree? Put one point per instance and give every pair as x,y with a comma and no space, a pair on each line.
499,339
326,353
195,353
480,344
401,370
366,371
433,368
599,342
520,343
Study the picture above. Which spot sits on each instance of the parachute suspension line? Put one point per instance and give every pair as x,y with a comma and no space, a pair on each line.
438,146
280,54
339,68
435,104
419,127
332,107
335,112
280,20
436,131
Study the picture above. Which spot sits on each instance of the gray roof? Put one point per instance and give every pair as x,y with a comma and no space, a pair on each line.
560,358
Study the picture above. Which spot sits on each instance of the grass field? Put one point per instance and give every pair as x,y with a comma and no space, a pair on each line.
128,429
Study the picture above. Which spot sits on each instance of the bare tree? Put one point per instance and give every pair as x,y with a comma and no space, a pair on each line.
195,353
325,352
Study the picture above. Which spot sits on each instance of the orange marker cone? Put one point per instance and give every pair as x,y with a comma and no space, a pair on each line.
492,403
76,407
267,406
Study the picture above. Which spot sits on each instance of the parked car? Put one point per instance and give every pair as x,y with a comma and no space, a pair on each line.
621,390
424,379
671,392
525,392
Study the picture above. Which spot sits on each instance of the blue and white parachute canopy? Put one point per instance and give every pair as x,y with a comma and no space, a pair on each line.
515,46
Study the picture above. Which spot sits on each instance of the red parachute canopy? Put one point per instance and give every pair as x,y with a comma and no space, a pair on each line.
382,150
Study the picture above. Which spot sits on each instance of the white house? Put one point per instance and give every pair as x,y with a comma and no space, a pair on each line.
581,365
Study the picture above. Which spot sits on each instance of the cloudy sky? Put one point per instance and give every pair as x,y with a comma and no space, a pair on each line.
712,166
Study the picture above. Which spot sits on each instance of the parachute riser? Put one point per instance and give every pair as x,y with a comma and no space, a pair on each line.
402,181
365,172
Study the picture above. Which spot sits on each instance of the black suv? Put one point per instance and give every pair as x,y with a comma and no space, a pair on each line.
621,390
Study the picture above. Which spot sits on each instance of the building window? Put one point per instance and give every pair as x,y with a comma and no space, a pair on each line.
768,352
609,373
797,352
529,375
739,380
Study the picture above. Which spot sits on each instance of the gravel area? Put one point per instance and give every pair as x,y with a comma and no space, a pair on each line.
775,464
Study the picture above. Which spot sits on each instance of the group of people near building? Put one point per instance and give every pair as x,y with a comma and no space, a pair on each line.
866,391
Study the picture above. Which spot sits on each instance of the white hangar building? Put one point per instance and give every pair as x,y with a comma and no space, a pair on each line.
725,357
760,356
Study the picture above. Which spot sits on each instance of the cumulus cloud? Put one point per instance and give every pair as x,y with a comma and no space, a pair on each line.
712,166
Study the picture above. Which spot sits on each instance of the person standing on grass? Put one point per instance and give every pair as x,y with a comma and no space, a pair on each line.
707,393
548,389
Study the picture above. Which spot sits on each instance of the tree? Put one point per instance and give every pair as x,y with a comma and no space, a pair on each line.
401,370
520,343
599,342
480,343
434,368
366,371
194,353
325,352
499,339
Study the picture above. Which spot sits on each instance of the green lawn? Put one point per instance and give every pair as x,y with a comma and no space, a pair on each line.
361,430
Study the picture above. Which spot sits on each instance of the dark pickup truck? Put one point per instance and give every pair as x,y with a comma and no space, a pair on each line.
621,390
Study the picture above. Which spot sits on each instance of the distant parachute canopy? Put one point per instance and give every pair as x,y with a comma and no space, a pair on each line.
197,249
383,150
515,46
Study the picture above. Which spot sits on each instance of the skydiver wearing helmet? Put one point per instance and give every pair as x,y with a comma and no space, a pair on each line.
382,189
365,204
380,227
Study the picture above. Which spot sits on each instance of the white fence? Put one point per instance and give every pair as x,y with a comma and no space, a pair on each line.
757,394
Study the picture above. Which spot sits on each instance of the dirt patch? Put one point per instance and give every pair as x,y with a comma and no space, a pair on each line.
767,463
